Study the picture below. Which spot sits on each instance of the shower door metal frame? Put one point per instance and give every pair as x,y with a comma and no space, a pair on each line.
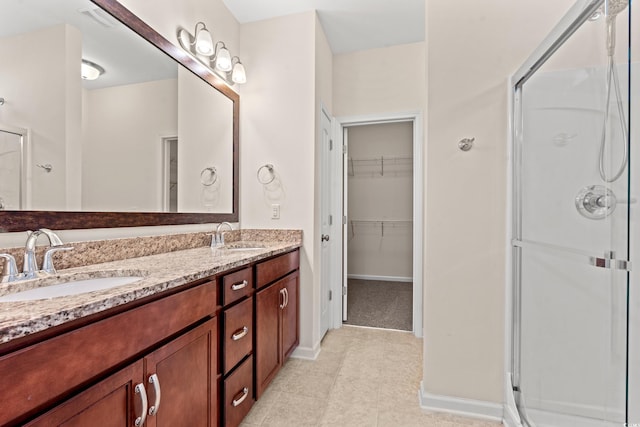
573,19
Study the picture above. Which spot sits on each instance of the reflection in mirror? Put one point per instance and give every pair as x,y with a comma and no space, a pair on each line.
109,140
13,147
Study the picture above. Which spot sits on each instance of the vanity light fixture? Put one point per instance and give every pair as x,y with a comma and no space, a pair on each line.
90,70
218,58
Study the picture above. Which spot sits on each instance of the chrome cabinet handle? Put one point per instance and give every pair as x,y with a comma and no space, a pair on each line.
282,294
153,379
140,390
240,333
324,238
238,401
239,285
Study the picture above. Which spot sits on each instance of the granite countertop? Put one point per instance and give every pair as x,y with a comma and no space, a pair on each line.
160,272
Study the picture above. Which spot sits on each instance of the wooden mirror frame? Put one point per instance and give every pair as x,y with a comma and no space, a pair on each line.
14,221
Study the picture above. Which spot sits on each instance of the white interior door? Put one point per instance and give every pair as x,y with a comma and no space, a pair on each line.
327,235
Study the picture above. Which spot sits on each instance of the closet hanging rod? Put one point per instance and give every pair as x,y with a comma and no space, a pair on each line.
382,223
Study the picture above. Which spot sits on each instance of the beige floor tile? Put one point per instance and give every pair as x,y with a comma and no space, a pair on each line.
343,414
362,378
294,410
261,408
406,419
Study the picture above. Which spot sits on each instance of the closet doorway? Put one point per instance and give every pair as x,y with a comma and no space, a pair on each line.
383,208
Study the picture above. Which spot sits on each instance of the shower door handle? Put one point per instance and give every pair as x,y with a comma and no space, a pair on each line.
608,261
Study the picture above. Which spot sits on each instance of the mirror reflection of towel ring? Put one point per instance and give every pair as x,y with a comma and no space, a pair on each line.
208,176
266,174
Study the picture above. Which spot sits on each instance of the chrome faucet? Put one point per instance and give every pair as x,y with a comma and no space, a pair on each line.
30,266
217,239
9,269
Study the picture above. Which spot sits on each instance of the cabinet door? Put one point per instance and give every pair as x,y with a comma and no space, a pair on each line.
112,402
267,351
184,372
290,315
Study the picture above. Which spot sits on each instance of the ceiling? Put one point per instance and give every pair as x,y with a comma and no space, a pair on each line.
350,25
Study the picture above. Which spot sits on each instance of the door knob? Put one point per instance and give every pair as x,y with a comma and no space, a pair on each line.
325,238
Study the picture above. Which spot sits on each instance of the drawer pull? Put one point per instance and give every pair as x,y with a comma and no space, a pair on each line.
238,401
282,295
286,297
240,333
153,379
239,285
140,390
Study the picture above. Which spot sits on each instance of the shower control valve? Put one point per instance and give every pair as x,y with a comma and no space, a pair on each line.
595,202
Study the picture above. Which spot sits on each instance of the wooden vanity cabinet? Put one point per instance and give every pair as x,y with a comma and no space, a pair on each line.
277,305
211,349
187,397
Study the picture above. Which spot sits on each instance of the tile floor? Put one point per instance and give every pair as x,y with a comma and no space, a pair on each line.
363,377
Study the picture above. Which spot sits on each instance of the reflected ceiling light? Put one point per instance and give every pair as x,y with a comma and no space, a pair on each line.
218,58
90,70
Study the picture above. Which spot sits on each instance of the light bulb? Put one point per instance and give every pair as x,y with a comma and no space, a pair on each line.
223,59
204,42
239,75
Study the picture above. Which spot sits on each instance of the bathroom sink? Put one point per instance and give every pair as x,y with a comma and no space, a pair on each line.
69,287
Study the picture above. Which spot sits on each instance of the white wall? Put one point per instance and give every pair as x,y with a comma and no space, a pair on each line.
205,139
278,109
38,101
379,81
122,147
470,57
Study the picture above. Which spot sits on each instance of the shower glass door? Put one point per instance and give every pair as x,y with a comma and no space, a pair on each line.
571,246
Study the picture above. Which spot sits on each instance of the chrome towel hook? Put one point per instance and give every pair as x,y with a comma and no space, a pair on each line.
465,144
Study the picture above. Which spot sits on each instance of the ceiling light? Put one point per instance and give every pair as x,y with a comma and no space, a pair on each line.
90,70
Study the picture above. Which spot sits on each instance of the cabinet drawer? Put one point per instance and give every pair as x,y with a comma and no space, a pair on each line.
238,333
238,394
273,269
236,285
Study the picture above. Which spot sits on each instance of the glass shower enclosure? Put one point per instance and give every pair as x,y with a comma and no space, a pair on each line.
574,223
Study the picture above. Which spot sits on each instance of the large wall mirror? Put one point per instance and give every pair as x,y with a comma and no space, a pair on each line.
153,140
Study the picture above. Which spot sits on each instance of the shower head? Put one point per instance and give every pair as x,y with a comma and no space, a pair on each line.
614,7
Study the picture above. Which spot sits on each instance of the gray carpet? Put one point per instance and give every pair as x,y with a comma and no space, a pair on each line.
380,304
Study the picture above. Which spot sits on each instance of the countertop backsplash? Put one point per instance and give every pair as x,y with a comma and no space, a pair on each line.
100,251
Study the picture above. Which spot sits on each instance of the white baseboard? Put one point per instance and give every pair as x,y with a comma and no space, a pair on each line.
383,278
477,409
306,353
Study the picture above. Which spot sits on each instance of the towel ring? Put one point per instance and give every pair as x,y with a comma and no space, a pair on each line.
208,176
265,174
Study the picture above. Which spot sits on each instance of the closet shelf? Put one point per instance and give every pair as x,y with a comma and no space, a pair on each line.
380,223
380,166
